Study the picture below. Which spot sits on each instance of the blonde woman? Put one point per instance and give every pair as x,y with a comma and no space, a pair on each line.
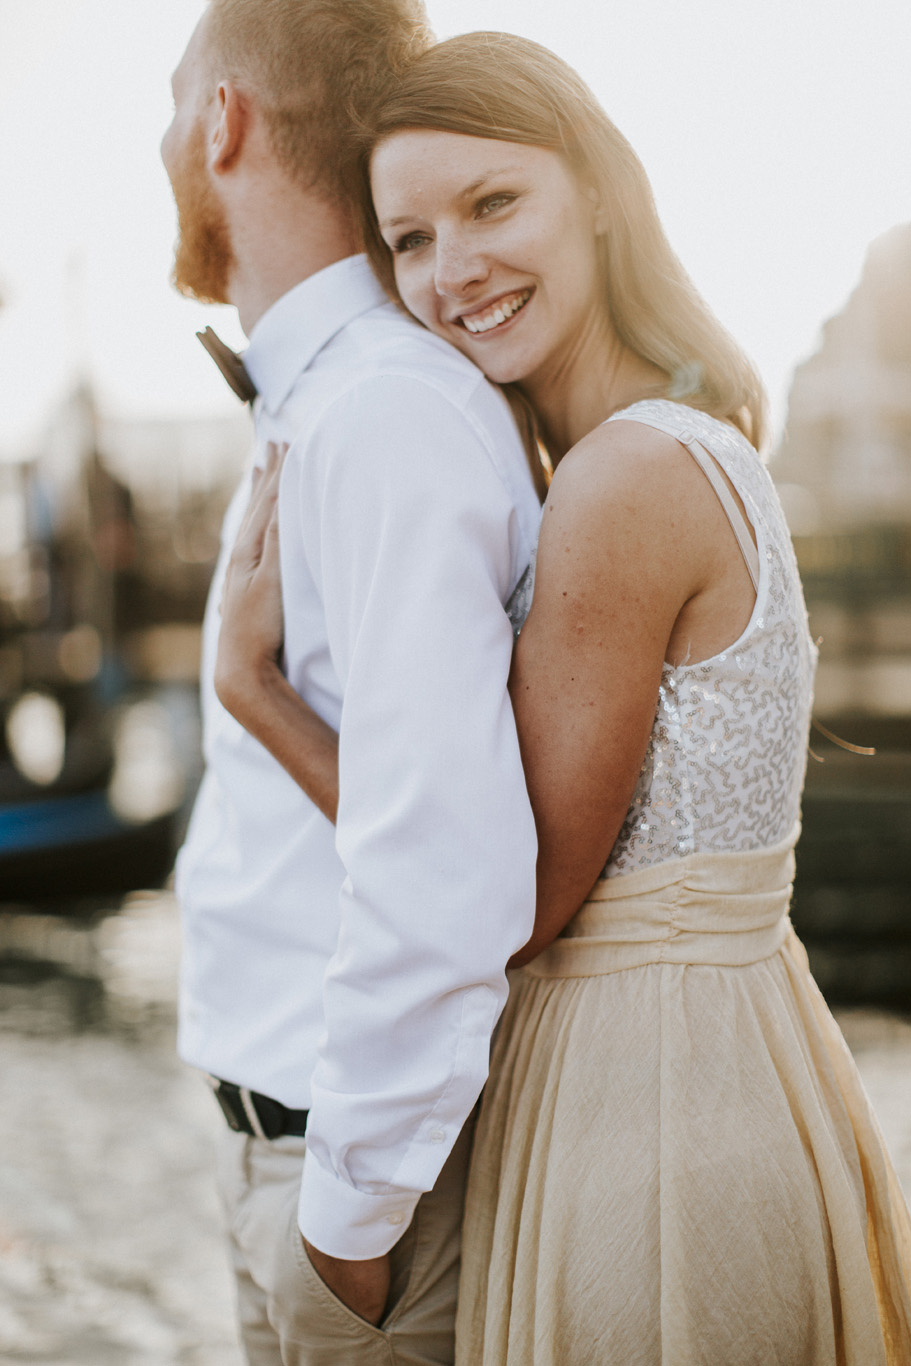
675,1161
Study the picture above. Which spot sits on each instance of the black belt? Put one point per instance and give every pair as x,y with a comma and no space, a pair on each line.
247,1112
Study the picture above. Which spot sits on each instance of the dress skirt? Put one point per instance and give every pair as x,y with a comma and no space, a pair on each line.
676,1161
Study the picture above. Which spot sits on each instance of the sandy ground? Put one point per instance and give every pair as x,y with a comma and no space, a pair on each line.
109,1228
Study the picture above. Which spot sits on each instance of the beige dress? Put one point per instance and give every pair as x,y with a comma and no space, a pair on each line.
676,1162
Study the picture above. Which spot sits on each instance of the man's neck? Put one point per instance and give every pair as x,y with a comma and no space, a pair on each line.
274,252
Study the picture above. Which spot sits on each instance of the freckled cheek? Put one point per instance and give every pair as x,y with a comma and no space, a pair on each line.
575,273
418,295
534,251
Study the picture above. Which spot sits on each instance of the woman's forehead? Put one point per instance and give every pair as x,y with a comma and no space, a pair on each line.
424,161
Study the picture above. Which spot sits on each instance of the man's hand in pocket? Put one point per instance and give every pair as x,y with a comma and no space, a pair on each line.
363,1286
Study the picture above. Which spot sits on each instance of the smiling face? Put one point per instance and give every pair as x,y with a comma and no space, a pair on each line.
495,248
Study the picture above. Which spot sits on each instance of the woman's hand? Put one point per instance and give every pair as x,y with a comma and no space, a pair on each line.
252,622
248,677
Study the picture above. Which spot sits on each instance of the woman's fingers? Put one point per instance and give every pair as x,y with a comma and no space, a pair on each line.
270,556
275,454
248,547
257,536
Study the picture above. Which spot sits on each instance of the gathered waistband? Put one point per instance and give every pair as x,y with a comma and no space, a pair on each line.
724,910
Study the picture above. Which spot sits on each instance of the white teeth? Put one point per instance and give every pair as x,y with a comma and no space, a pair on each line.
499,314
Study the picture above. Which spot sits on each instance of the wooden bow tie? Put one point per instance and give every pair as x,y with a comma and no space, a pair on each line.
230,365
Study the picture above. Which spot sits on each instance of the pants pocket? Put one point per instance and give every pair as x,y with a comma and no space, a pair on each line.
315,1327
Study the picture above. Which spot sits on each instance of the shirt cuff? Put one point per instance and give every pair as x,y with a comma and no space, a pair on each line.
344,1222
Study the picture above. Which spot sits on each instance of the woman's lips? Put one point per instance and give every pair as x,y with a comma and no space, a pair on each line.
494,315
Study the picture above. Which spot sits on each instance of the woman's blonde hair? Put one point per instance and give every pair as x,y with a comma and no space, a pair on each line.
497,85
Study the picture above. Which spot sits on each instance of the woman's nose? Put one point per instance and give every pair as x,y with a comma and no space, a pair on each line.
457,267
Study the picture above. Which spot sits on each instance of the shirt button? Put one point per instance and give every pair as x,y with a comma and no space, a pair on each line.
396,1218
437,1135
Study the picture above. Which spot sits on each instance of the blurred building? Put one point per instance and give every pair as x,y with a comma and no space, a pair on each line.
844,473
180,475
845,459
150,496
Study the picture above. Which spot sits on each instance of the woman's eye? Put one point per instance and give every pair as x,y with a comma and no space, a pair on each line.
410,242
494,202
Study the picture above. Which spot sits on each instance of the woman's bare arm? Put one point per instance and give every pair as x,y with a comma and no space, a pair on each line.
623,549
248,678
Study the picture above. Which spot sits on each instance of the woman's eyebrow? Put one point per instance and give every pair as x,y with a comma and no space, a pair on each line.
465,193
482,180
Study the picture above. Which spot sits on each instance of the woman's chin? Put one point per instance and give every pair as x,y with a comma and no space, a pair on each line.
500,370
498,367
492,360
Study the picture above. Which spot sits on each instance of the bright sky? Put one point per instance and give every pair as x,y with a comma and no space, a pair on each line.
777,134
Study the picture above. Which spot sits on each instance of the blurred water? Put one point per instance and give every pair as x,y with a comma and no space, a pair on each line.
110,1247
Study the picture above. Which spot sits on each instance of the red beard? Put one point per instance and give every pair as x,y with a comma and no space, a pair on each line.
203,256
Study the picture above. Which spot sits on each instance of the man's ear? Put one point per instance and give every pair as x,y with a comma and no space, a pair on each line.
233,113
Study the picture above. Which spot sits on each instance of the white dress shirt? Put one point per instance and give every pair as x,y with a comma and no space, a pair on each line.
359,971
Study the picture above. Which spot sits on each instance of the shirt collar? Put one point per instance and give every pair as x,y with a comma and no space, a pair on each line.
290,334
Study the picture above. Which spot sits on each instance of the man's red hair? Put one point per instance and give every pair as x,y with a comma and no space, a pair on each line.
314,67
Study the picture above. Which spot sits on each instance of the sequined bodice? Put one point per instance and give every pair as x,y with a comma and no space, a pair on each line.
725,763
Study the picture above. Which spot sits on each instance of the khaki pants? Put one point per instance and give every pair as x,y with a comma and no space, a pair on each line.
288,1316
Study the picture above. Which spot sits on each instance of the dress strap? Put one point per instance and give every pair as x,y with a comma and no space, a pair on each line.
706,462
710,468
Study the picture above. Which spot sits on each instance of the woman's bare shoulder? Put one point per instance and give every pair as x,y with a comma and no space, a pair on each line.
628,505
622,467
618,451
